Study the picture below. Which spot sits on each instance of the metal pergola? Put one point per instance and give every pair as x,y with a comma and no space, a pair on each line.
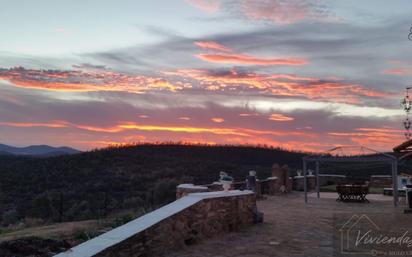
378,157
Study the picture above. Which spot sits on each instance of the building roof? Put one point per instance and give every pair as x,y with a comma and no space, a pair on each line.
403,147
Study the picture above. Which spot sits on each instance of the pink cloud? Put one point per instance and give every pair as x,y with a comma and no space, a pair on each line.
281,12
229,56
281,85
209,6
247,59
211,45
403,71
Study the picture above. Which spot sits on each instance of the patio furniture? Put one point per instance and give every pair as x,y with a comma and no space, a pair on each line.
352,193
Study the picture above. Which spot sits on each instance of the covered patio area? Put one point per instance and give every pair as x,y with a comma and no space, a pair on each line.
337,156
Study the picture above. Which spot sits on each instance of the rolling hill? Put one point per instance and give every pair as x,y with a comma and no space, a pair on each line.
36,150
92,184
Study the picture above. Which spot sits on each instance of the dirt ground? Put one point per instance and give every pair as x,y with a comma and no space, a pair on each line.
56,231
291,228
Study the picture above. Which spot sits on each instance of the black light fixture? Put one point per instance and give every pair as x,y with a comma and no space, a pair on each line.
407,123
406,104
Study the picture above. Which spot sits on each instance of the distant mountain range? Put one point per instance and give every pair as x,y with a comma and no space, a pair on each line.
36,150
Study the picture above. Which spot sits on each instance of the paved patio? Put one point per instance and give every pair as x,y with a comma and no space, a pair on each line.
291,228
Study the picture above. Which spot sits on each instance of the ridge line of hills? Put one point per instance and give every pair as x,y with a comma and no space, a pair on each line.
37,150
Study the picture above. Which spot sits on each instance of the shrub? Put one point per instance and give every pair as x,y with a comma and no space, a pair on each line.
10,217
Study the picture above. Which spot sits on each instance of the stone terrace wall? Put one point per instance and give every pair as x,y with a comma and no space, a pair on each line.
298,183
331,179
185,189
380,181
183,222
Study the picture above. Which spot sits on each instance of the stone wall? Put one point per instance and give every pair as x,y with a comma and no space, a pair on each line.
331,179
185,189
183,222
269,186
298,183
380,181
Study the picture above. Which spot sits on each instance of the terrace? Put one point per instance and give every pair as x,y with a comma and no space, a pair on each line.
291,228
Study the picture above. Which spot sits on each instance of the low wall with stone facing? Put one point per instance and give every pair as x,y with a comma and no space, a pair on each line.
331,179
183,222
299,185
380,181
324,179
185,189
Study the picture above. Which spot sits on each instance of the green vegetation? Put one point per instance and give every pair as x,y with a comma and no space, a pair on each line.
95,184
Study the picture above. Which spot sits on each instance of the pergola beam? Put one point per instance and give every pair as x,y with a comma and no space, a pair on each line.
349,159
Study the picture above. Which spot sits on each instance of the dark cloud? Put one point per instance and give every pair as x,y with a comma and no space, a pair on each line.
89,66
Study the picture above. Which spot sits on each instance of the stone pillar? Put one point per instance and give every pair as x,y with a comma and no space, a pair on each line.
289,186
282,175
258,191
251,181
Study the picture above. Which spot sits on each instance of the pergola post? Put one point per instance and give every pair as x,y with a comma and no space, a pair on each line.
395,182
317,179
305,185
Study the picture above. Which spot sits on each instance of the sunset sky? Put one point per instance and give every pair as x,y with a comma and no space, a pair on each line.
299,74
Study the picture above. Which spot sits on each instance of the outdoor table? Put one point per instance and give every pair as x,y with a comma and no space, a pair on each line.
348,193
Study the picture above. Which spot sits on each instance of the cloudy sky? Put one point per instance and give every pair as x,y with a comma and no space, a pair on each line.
299,74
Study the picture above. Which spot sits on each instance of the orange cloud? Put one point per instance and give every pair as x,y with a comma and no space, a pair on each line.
218,131
211,45
240,132
382,130
209,6
133,126
280,117
380,138
55,124
281,85
80,81
115,129
218,120
247,59
184,118
231,57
